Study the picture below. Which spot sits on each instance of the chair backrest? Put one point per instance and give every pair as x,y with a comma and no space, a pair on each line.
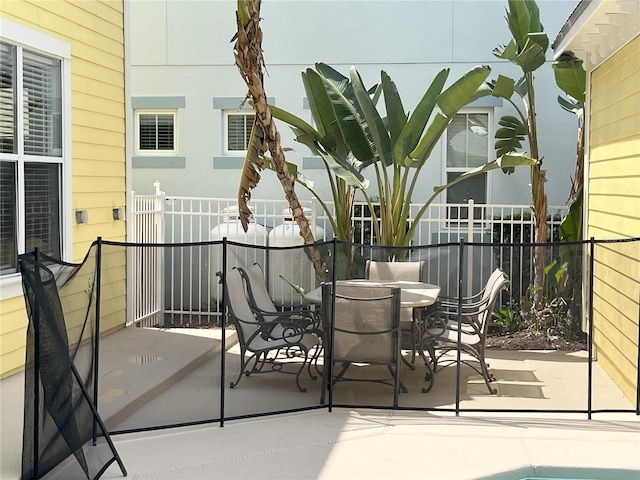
495,276
366,322
489,300
410,271
240,311
257,288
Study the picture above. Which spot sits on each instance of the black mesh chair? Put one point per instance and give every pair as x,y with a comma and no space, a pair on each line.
366,329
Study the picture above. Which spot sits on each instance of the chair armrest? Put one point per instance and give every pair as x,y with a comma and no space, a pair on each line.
307,319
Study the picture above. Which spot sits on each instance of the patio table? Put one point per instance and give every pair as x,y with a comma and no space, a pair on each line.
412,294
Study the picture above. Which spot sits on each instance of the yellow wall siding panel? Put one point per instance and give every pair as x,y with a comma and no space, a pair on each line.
104,106
627,148
14,315
96,120
96,136
614,211
617,226
12,362
613,112
82,70
97,87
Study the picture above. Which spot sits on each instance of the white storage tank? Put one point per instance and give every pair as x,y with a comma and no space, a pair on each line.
293,264
231,228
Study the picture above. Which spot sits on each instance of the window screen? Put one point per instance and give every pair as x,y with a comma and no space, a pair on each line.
8,132
42,108
239,131
42,208
467,148
8,215
156,132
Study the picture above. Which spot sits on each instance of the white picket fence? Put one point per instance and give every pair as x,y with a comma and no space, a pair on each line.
178,285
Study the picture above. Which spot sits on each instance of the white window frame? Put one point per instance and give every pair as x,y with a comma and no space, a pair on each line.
152,111
490,156
24,38
226,115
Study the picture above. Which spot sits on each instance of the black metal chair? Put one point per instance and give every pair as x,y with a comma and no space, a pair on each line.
271,344
366,329
264,308
409,317
464,325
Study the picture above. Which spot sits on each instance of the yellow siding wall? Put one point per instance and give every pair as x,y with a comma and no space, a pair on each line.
95,31
614,212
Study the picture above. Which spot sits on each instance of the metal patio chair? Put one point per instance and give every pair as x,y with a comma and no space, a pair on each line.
409,317
264,308
366,329
270,345
441,334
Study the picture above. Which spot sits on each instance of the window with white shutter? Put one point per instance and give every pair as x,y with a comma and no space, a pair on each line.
156,132
238,131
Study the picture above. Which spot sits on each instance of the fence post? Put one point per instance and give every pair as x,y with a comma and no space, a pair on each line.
471,215
223,321
590,329
459,345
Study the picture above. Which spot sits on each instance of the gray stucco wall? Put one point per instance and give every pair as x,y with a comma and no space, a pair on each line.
181,48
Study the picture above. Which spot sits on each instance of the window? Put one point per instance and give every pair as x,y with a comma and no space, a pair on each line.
156,132
467,148
31,152
238,131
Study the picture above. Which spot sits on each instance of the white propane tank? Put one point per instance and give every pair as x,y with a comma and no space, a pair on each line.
292,264
237,256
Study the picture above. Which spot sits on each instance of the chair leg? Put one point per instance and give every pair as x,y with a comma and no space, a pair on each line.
242,369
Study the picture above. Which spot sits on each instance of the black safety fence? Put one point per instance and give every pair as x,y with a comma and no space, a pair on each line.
291,328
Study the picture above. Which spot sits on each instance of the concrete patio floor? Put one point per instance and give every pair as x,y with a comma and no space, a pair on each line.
154,377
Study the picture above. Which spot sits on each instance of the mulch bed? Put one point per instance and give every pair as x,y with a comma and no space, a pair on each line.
527,340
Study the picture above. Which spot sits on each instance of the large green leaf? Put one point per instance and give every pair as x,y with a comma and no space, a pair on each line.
396,116
306,134
428,141
412,131
523,18
570,75
319,102
457,95
503,87
374,123
505,163
450,102
294,121
350,119
510,136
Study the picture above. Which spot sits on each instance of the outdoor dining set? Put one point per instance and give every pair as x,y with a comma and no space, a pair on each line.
389,318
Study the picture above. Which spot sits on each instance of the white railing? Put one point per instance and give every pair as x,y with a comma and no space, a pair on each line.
191,288
145,265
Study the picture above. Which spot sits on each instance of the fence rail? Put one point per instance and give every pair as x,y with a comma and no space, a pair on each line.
179,286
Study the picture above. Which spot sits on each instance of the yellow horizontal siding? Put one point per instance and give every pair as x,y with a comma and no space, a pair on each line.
614,212
95,31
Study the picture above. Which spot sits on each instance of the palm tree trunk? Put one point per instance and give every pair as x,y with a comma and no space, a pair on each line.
250,62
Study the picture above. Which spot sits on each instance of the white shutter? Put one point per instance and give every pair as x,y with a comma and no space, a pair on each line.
42,97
